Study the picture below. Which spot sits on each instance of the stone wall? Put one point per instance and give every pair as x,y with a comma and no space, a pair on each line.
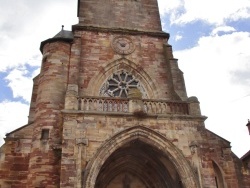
137,15
199,146
14,158
147,62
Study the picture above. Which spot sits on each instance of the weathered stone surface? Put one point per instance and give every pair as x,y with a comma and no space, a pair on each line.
79,135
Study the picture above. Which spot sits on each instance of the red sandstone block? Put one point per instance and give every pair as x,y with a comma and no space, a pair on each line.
19,167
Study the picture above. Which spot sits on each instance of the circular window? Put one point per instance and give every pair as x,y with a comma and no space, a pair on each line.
119,84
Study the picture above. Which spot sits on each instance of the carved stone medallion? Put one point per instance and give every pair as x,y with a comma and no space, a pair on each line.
123,45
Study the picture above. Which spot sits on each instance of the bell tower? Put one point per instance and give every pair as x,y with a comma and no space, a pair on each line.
129,14
109,109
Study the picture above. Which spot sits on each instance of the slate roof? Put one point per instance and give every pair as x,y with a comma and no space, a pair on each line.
246,156
63,35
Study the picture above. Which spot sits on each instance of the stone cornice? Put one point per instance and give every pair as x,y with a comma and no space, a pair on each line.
120,30
154,116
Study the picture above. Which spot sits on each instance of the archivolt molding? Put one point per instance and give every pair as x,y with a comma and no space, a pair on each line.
147,136
128,66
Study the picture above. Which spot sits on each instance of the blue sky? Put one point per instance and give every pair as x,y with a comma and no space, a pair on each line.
210,38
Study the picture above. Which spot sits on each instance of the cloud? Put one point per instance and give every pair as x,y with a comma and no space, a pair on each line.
241,77
222,29
12,116
20,83
215,58
178,37
167,6
208,69
24,24
213,12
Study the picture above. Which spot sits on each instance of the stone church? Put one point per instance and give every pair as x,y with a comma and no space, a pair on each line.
109,109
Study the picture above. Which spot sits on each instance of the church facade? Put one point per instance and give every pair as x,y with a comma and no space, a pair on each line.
109,109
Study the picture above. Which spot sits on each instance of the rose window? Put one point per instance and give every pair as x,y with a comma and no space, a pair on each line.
119,84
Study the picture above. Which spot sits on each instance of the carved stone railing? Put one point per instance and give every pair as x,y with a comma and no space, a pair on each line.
106,104
103,104
165,107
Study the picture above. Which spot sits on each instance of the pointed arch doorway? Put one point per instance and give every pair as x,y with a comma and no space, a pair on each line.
138,165
139,157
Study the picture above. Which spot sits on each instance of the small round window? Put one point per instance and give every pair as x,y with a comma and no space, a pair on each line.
119,84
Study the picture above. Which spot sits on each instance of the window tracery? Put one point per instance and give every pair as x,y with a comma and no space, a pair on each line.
119,83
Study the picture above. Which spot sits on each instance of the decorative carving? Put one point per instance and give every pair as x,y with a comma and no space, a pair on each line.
108,104
119,84
82,141
193,147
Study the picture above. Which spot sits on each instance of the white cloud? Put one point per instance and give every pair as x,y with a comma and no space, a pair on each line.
178,37
225,29
20,83
210,11
27,23
12,116
208,71
168,6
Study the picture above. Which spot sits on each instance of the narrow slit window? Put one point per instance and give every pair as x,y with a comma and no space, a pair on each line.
45,134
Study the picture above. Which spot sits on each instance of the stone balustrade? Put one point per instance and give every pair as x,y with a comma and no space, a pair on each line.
103,104
119,105
165,107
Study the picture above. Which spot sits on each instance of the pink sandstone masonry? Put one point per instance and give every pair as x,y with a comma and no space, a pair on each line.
81,133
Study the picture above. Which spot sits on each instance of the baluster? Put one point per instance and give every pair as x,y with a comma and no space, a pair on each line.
90,104
119,106
149,107
85,104
108,103
125,106
158,108
114,106
182,108
111,103
163,107
179,110
154,107
167,108
175,108
95,105
81,103
170,107
105,106
145,106
186,109
99,103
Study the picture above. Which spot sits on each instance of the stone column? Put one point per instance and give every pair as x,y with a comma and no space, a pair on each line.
196,160
81,151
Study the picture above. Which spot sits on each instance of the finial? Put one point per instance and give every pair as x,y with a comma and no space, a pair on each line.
62,27
248,124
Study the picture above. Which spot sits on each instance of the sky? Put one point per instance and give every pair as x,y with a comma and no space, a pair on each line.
210,39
